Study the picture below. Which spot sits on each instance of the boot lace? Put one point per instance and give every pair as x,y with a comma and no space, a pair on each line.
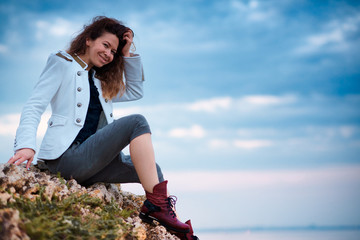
171,201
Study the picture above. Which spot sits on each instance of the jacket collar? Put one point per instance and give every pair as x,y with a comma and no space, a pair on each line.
68,57
81,62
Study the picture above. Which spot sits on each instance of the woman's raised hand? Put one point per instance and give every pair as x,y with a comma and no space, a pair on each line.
22,155
128,37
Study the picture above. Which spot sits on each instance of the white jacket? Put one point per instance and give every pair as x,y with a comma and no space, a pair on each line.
64,84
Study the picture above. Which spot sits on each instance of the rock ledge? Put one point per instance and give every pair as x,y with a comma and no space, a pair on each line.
35,204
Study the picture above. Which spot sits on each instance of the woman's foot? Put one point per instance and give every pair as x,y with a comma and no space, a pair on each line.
189,235
159,207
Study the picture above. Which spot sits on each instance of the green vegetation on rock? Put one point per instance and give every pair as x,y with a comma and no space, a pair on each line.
75,217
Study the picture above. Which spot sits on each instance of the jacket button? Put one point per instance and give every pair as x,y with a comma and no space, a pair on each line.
79,104
79,73
111,115
78,120
51,123
79,89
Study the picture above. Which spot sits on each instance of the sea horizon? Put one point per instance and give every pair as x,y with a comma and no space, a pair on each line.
312,227
311,232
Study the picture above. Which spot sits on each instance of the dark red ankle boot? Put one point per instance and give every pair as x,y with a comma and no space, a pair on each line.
189,235
159,207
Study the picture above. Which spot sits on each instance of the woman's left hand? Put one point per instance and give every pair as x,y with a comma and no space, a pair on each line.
128,37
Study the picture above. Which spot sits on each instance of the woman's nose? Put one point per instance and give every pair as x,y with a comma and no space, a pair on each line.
108,54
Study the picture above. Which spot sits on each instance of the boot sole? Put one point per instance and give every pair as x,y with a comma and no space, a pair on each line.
150,220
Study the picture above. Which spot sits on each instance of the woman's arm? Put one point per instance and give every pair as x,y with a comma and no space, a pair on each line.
134,75
43,92
134,78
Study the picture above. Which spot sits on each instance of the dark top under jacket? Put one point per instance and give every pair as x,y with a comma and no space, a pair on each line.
93,114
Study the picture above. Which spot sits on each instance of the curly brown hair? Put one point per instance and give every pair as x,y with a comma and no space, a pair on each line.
111,74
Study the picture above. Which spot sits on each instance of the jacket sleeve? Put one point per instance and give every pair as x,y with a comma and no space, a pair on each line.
43,92
134,78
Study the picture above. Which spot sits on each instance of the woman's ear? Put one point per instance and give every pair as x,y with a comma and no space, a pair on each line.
88,40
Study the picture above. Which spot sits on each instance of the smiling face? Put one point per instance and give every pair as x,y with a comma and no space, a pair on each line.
100,51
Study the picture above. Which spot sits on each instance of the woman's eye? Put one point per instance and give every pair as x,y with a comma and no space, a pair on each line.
113,52
106,45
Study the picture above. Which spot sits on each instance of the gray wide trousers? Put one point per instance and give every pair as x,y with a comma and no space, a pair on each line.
99,158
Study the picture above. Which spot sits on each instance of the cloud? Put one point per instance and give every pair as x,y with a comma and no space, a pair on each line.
3,48
55,28
258,131
219,143
211,105
178,34
10,122
268,99
273,127
248,144
238,180
218,104
316,42
121,111
320,40
195,131
44,35
348,131
239,118
252,144
336,37
252,11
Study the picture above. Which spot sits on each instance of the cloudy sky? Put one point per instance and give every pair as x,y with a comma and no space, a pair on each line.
253,105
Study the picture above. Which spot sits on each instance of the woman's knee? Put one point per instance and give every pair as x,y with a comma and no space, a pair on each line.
141,125
139,119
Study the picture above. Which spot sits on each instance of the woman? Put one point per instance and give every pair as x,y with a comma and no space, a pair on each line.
83,141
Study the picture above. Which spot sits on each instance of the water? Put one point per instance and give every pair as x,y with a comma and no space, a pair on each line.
282,235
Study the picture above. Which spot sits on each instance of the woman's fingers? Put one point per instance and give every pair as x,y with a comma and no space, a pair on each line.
29,163
129,33
128,36
14,158
18,159
11,159
21,156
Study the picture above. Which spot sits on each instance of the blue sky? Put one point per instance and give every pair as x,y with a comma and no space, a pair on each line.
254,105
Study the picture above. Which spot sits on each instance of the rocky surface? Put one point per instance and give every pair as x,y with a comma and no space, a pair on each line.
35,204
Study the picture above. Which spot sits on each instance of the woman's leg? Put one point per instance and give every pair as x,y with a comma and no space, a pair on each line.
120,170
143,158
142,167
85,160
